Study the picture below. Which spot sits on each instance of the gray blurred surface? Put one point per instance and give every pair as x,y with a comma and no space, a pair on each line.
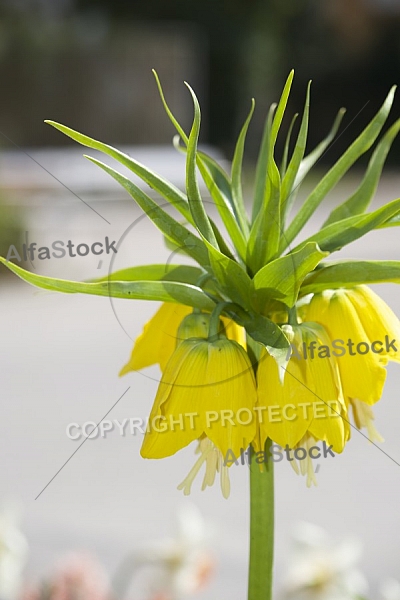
60,357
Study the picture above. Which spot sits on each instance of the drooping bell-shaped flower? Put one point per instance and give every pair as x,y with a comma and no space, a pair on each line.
347,315
204,386
366,334
207,393
159,337
307,404
157,341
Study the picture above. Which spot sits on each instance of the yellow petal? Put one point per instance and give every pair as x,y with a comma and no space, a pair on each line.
377,319
287,415
233,331
174,419
158,340
229,398
310,398
212,381
362,375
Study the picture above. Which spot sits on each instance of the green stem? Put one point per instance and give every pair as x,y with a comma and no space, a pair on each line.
261,516
292,317
214,320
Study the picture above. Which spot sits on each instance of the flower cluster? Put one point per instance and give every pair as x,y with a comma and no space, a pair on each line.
231,329
206,368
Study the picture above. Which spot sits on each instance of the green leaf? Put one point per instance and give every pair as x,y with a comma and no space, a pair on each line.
265,233
393,222
237,162
233,279
266,332
195,202
219,177
172,229
280,111
350,273
362,197
164,291
313,157
281,278
217,183
339,234
159,272
298,154
166,189
285,154
327,183
262,165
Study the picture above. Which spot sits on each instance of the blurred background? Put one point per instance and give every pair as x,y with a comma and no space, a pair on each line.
87,64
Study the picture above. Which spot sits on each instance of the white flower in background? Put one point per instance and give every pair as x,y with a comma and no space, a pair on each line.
390,590
13,554
175,568
323,570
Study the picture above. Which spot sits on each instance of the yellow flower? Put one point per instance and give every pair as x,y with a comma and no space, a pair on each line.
308,405
348,317
377,319
159,338
369,333
207,393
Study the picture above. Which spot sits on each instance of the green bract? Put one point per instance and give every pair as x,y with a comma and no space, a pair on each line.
262,274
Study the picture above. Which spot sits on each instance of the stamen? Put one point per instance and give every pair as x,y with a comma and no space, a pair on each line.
214,464
211,468
225,482
364,417
306,464
187,482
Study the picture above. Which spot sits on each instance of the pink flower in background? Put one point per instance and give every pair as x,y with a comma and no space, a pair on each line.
77,576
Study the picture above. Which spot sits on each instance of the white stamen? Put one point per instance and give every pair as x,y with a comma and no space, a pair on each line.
213,458
306,464
364,417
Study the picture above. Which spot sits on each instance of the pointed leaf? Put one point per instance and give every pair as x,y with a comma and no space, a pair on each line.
266,332
334,175
285,154
393,222
311,159
281,278
265,233
262,165
224,203
237,162
361,199
164,291
351,273
195,202
339,234
159,272
176,232
217,183
233,279
298,154
166,189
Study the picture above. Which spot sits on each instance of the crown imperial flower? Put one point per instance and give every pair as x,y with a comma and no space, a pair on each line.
249,277
209,378
352,317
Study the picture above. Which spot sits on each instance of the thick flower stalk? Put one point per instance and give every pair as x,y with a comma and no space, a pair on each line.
263,318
